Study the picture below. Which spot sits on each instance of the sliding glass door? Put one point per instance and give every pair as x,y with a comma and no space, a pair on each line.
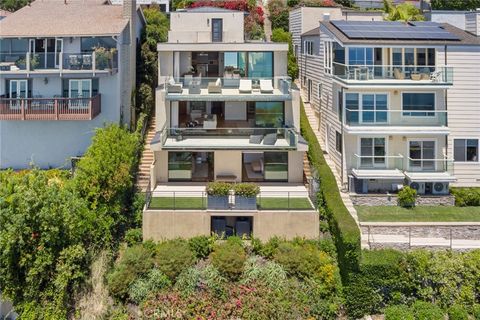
18,90
276,166
422,155
372,152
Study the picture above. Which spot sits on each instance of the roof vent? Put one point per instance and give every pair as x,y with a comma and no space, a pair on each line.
326,16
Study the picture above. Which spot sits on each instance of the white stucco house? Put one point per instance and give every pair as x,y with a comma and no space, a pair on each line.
66,68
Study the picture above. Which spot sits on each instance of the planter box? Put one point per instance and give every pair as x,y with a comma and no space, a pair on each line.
217,202
245,203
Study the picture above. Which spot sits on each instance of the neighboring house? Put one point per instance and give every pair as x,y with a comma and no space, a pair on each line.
163,4
67,71
226,111
465,20
399,104
379,4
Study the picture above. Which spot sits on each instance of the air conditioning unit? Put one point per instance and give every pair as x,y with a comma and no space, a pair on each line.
440,188
419,186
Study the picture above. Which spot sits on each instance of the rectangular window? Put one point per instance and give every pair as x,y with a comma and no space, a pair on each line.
276,166
340,106
360,56
418,104
217,30
319,93
327,56
352,107
338,141
269,114
235,63
465,150
422,155
372,152
89,44
260,64
308,47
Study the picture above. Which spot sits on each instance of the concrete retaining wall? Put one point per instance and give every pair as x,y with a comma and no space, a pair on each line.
164,224
467,231
385,200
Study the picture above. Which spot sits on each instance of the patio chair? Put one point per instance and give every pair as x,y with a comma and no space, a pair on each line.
74,62
266,86
245,86
398,74
435,76
215,87
173,87
86,61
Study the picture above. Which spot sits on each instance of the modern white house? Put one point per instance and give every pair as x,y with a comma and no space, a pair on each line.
67,71
226,111
398,103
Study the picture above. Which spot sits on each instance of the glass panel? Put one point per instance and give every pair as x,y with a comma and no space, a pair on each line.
269,114
23,88
74,88
86,89
472,150
352,105
421,56
179,165
366,150
379,150
368,105
381,104
369,56
89,44
459,149
428,154
431,57
415,153
420,102
276,166
260,64
13,89
397,56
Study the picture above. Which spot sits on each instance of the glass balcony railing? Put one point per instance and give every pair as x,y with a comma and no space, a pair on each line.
415,74
366,118
377,162
230,137
231,84
87,61
429,165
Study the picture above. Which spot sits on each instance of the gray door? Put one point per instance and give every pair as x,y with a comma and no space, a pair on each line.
217,30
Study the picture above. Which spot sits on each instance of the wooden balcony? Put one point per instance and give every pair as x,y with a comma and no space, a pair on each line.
50,108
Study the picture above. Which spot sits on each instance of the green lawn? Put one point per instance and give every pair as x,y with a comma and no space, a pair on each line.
178,203
283,203
187,203
418,214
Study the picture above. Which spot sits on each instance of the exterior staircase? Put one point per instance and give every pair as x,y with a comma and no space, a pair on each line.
143,175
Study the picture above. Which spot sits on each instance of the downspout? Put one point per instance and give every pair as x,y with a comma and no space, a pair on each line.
343,136
446,106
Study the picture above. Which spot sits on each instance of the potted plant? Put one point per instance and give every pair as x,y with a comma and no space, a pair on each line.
34,62
406,197
21,63
246,196
104,57
217,194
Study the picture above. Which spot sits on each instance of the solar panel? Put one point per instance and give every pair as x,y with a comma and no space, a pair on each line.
418,30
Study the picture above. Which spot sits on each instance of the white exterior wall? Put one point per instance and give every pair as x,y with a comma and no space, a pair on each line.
196,27
472,22
463,105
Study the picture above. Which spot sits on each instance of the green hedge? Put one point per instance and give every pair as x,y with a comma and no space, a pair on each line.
342,225
466,196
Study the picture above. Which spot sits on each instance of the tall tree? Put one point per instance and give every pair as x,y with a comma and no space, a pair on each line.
13,5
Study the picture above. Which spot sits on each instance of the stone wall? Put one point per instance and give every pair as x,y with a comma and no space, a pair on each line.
391,200
466,231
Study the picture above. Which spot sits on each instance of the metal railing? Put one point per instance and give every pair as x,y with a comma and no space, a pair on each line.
366,118
422,74
200,200
430,165
377,162
195,84
86,61
56,108
257,136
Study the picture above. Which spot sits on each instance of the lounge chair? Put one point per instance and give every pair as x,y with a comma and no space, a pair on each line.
398,74
187,79
245,86
87,62
173,87
266,86
215,87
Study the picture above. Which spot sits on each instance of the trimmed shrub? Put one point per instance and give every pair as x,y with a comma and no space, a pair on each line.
229,258
343,227
466,196
173,257
133,236
427,311
152,283
246,189
218,188
134,262
457,312
201,246
201,278
265,272
406,197
399,312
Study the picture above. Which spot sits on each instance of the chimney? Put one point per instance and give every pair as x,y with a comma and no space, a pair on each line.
326,16
129,9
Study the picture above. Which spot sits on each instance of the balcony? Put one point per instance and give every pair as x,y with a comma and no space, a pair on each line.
50,108
395,121
393,75
229,89
226,138
90,62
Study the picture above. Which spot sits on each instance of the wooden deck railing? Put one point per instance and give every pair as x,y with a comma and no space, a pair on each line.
50,108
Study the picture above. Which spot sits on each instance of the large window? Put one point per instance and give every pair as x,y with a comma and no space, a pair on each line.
360,56
465,150
80,88
366,108
308,47
269,114
422,155
89,44
327,56
235,62
418,104
276,166
372,152
260,64
179,166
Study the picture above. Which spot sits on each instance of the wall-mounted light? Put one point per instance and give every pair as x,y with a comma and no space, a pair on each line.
390,137
208,22
404,138
45,80
395,92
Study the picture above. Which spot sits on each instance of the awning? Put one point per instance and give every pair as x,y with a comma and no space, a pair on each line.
430,176
380,174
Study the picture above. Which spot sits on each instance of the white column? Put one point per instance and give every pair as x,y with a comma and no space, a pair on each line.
176,65
174,114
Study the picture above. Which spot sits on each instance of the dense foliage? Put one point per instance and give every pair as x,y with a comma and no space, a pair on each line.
402,12
389,277
465,197
280,35
455,4
343,228
234,282
13,5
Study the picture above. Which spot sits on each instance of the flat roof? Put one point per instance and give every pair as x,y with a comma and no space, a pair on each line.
50,18
223,46
380,174
458,36
430,176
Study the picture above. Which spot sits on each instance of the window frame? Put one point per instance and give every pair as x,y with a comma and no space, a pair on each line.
360,109
327,56
427,112
338,142
385,146
465,151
